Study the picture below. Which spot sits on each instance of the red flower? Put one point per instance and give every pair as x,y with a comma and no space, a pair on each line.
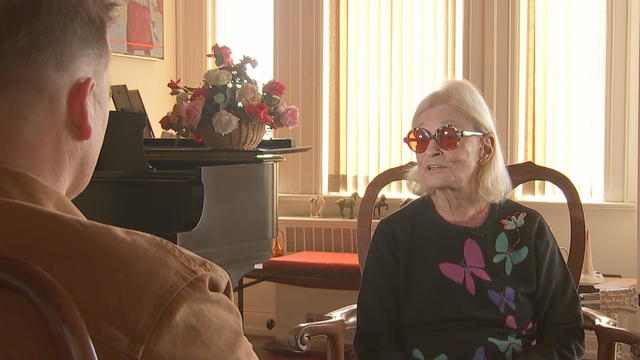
258,111
222,54
268,120
196,137
204,91
174,86
274,88
166,123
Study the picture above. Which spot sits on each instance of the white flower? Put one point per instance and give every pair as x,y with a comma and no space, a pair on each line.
224,122
217,77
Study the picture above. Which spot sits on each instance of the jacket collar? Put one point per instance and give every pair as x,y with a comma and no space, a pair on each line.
23,187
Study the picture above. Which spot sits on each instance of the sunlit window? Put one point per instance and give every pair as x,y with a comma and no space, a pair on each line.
562,93
246,26
391,55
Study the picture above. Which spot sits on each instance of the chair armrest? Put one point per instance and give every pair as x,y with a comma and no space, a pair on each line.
333,327
608,334
348,313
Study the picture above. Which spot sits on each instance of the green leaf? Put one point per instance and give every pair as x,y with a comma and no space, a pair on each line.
219,98
502,242
508,265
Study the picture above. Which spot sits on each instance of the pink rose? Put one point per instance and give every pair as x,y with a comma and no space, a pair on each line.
190,111
193,110
281,107
290,117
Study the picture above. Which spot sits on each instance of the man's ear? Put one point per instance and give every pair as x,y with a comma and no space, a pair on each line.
79,108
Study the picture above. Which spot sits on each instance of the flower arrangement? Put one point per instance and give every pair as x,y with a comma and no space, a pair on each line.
227,99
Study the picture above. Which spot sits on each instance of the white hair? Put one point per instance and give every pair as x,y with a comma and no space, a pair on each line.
492,181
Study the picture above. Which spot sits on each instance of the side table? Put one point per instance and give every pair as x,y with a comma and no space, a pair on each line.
618,299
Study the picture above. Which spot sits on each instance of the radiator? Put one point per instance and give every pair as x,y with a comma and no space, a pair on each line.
318,234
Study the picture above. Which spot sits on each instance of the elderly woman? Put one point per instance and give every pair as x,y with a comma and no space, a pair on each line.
462,272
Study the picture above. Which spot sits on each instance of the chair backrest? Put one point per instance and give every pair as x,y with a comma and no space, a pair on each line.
53,304
519,173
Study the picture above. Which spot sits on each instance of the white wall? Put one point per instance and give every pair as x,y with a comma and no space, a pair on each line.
612,229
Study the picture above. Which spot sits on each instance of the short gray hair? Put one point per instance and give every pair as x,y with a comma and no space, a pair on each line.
493,181
42,37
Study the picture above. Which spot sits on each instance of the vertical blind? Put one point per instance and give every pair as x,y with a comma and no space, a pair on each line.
563,122
385,56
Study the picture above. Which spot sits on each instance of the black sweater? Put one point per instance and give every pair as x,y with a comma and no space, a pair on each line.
434,290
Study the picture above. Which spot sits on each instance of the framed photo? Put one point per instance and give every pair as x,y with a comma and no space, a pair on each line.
139,29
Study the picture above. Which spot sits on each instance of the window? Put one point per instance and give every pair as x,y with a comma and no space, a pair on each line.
246,26
391,55
382,57
566,76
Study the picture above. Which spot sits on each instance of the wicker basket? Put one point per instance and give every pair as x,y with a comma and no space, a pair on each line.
247,136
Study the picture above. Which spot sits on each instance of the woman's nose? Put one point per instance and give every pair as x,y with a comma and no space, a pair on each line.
433,149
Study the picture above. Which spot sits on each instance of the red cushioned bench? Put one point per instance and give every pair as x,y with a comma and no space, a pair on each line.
316,269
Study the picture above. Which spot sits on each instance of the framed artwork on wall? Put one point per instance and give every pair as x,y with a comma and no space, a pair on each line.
138,29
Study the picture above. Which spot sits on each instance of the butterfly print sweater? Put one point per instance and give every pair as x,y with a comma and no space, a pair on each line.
434,290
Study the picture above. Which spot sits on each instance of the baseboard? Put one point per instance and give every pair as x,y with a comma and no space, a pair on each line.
255,323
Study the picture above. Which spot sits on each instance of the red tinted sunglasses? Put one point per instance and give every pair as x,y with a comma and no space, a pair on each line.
447,137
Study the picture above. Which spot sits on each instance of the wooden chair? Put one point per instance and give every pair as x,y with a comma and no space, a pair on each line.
54,306
339,321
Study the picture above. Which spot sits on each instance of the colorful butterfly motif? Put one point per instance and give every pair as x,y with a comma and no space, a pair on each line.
479,354
504,297
514,221
511,256
416,353
530,326
473,263
508,347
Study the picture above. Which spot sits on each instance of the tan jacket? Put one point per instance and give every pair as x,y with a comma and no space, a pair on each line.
140,296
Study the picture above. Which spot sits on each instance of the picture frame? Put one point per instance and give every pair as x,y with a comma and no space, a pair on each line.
139,29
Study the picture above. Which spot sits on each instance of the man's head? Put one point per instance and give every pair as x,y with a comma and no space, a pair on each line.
54,93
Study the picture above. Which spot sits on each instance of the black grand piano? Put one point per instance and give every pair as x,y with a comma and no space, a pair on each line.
220,204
